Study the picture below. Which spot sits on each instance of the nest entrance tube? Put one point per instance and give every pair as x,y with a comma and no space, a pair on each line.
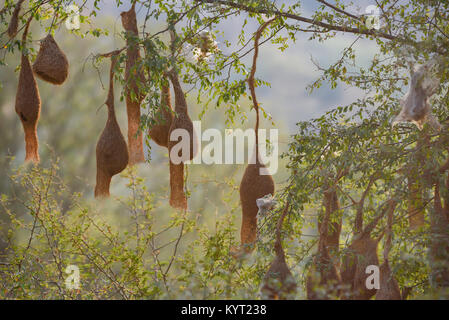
182,121
28,104
134,97
111,151
51,63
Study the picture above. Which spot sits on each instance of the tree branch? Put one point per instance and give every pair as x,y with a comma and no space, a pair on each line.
292,16
339,10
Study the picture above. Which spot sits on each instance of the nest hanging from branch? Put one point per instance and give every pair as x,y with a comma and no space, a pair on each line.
182,121
112,151
278,282
254,185
160,131
51,63
134,95
324,272
28,103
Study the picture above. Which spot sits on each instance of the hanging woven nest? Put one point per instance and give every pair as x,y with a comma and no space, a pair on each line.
159,132
14,22
112,151
28,104
252,187
51,63
278,282
323,279
182,121
28,107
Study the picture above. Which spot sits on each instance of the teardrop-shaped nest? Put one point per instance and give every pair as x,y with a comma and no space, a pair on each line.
112,156
181,120
28,107
51,63
322,275
112,151
159,132
278,283
323,280
252,187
